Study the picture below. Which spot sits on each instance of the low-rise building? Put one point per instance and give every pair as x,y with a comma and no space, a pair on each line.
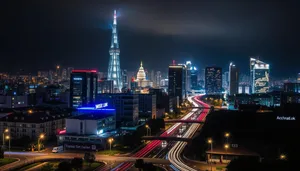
13,101
90,130
33,122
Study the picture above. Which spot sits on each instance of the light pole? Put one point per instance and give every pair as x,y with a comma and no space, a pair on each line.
110,140
226,146
211,149
8,138
282,157
148,127
42,136
227,135
3,136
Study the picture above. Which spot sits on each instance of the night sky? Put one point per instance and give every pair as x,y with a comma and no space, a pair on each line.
37,35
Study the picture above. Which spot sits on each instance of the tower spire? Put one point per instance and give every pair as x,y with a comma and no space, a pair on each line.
141,64
114,70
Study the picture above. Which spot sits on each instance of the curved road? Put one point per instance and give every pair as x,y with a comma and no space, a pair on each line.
174,154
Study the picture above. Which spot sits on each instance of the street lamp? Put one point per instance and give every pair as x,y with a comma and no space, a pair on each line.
282,157
42,136
110,140
8,138
148,127
226,146
3,136
227,135
211,149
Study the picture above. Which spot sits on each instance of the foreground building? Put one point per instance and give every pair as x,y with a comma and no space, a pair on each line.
33,122
88,131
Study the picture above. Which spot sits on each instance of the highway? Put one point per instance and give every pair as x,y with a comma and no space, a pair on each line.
174,154
154,146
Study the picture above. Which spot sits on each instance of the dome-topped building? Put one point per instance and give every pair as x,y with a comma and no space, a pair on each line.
141,78
141,75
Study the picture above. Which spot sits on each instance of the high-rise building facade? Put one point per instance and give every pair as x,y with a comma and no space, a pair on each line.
157,79
233,79
213,80
83,87
225,81
188,75
114,70
177,82
194,78
298,78
259,76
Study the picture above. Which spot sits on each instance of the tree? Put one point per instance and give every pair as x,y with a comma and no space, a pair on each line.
89,157
139,164
1,153
64,166
149,167
77,163
47,167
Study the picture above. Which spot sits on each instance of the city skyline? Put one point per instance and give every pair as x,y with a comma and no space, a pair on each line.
82,41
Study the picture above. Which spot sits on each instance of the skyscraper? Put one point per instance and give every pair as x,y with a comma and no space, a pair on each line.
177,82
233,79
298,78
188,76
83,87
213,80
114,70
259,76
194,78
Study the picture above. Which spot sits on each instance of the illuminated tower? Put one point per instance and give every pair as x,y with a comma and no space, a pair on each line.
259,73
114,70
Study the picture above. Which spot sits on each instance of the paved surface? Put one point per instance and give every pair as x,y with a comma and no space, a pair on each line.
37,167
29,157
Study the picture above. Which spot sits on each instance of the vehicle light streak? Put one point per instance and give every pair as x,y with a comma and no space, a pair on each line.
148,148
174,154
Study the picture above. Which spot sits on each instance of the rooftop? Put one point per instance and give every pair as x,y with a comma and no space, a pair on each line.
91,116
34,115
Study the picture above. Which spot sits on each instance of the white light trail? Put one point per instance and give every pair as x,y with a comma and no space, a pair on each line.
174,154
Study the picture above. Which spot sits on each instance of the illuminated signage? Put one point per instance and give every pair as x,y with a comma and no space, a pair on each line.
100,132
101,105
284,118
77,78
81,146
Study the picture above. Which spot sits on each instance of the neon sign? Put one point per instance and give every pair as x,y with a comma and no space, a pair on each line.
101,105
77,78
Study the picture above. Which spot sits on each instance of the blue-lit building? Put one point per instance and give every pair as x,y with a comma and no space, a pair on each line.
90,129
213,80
83,87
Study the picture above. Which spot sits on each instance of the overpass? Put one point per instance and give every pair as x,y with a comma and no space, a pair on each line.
183,121
194,107
166,138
